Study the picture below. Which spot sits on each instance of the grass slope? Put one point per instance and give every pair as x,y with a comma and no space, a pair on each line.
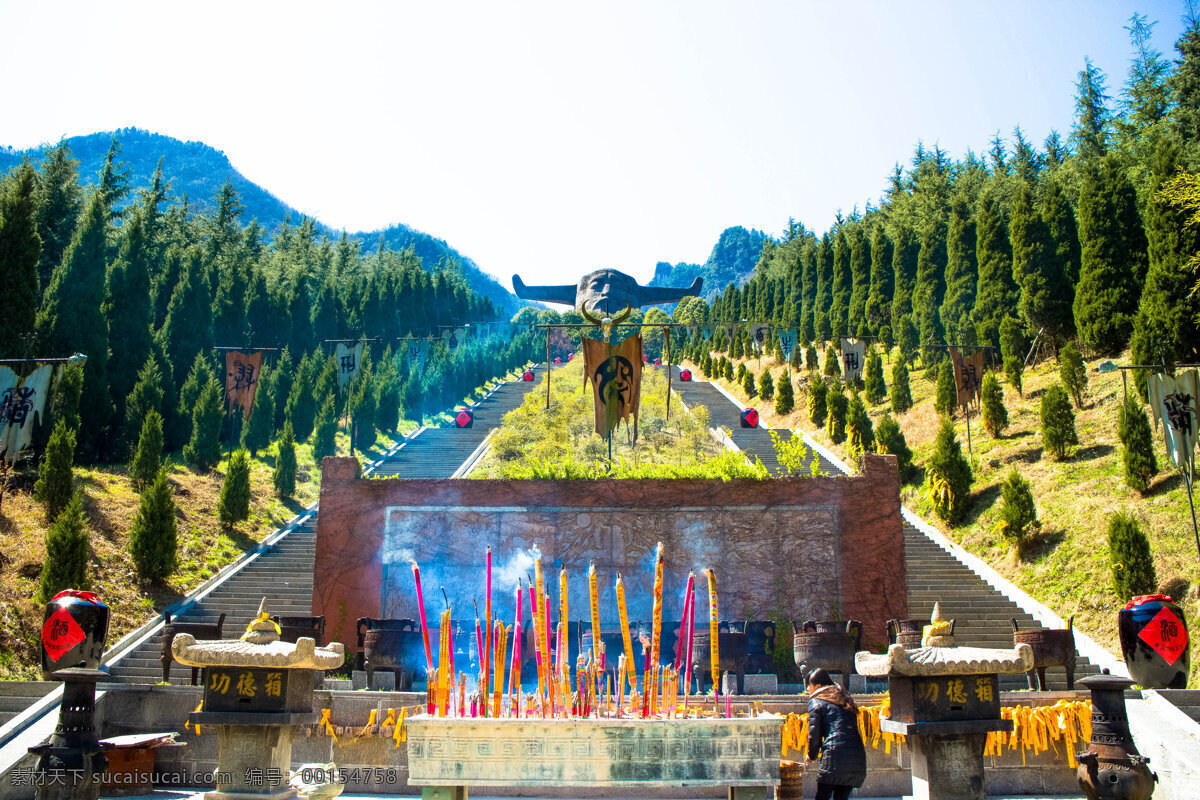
1067,566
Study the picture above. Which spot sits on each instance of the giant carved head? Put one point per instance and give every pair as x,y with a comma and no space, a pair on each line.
605,291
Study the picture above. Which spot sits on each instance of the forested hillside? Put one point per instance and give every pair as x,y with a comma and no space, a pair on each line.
195,173
732,261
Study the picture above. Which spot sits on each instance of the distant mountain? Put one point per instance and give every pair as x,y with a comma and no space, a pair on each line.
197,171
732,261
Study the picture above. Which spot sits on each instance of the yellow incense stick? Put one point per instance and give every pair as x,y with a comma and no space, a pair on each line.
629,669
656,638
595,596
713,639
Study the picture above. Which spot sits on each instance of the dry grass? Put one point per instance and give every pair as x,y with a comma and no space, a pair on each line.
1066,567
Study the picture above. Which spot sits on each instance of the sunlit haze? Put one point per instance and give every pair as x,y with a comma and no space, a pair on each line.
552,139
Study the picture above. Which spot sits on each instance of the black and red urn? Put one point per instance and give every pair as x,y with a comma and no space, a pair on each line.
1154,641
74,629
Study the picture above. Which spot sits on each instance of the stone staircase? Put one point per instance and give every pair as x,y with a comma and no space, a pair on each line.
1186,700
16,696
983,616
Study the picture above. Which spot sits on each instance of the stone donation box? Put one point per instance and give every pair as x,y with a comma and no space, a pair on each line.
257,689
945,700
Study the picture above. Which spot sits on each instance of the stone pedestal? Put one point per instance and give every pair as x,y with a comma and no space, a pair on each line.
254,763
946,767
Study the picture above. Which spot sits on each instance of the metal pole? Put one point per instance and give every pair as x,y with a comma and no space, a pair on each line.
547,369
968,409
1196,532
667,333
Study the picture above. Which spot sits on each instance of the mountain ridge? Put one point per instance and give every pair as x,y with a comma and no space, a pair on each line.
197,170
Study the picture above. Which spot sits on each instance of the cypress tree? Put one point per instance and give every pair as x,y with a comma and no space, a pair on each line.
1113,261
748,383
256,433
823,300
1073,372
1058,422
901,393
20,251
1045,293
64,405
808,290
946,400
948,475
363,408
325,433
188,326
146,397
907,339
128,309
153,538
811,362
796,362
301,402
59,200
728,369
1184,83
203,450
995,415
858,426
1167,326
889,439
817,408
885,337
1012,352
904,272
873,383
234,505
878,309
388,400
929,290
1137,446
836,402
148,458
785,398
1064,233
832,365
1129,557
860,272
766,385
962,270
284,373
1018,514
71,319
284,477
56,475
66,564
996,294
189,394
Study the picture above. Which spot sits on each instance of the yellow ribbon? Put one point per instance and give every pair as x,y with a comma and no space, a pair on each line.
370,721
263,617
400,734
325,712
188,725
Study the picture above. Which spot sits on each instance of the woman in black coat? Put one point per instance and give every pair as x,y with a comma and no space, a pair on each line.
833,733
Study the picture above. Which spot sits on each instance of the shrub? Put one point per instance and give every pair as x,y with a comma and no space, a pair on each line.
817,408
832,365
873,384
890,439
1058,422
885,336
1073,372
56,474
859,428
1137,446
728,369
148,457
66,552
901,393
741,372
766,386
1129,557
947,392
810,358
785,398
995,415
948,475
796,360
284,477
791,453
153,539
835,400
748,383
1012,373
234,505
1018,515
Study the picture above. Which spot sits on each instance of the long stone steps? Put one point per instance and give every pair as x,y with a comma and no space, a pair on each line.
16,696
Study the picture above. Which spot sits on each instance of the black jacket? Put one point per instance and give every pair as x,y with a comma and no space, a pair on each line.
833,731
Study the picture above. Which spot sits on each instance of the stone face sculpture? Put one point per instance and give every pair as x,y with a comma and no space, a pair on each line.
606,291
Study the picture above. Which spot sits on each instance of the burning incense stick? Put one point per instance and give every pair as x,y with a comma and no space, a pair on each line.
597,646
713,639
514,670
486,656
691,635
656,640
501,645
424,625
627,639
563,645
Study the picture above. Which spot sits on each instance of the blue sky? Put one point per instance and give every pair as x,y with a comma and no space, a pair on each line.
551,139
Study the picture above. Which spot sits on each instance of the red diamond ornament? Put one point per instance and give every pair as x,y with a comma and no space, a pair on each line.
464,419
60,633
1166,634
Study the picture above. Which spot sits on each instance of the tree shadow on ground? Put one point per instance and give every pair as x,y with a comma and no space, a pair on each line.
1169,482
1031,456
1095,451
292,504
1018,434
1040,544
981,501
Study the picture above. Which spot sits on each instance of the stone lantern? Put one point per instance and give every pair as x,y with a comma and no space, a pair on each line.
945,700
257,689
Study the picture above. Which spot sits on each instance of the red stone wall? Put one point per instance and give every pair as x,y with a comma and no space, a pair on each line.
806,547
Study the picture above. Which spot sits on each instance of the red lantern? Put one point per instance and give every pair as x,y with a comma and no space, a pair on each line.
528,376
658,362
749,418
558,361
571,357
645,359
464,418
685,374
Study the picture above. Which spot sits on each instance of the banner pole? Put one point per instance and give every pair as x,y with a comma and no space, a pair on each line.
1191,504
667,333
547,369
